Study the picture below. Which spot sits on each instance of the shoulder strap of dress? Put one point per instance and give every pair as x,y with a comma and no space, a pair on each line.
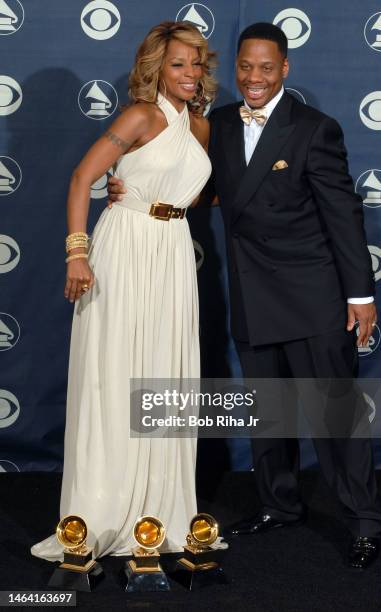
167,108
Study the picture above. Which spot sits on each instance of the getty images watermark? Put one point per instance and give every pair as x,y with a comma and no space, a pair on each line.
187,402
269,408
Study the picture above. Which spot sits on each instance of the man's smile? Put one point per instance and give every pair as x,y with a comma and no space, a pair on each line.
254,92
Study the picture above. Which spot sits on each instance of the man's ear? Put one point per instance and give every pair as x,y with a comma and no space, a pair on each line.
285,68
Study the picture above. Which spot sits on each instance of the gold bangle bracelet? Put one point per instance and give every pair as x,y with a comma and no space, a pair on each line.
75,234
76,245
76,256
76,237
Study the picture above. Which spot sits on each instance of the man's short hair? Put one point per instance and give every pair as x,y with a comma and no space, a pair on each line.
265,31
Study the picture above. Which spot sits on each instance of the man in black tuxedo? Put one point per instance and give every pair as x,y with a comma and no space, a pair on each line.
299,274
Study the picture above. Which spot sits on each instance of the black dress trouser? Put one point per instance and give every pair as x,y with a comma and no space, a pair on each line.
347,463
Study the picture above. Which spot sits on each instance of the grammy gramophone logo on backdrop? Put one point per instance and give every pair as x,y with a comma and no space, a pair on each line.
97,100
295,24
368,186
372,32
100,19
9,331
11,16
10,175
9,408
99,188
9,253
200,15
370,110
375,254
10,95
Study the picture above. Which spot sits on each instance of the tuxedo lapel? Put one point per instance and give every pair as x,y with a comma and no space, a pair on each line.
275,133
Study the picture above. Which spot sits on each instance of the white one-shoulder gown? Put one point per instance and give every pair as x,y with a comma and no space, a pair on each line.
140,320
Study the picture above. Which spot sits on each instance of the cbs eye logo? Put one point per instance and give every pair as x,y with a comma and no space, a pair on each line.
10,95
202,17
11,16
295,24
374,341
9,408
9,253
375,254
370,110
100,19
199,254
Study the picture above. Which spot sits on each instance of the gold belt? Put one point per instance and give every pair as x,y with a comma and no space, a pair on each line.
165,212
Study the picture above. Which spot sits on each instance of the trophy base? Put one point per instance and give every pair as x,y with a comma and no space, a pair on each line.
97,113
140,580
194,577
80,579
194,557
78,562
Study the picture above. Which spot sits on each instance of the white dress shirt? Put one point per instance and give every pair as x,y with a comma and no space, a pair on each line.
253,131
252,134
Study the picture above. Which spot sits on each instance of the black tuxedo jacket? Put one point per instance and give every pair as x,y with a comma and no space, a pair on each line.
295,237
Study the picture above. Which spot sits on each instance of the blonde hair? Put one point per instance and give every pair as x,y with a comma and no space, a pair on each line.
145,75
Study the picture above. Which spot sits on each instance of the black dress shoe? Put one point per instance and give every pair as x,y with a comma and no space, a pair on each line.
363,551
260,524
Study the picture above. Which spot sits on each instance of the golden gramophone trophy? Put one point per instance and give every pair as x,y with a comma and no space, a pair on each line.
200,564
144,572
79,571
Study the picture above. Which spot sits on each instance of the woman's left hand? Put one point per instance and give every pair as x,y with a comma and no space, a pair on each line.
79,279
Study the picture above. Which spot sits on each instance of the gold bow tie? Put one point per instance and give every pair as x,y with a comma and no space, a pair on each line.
247,115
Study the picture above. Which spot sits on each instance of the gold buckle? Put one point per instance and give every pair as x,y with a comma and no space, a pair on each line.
154,211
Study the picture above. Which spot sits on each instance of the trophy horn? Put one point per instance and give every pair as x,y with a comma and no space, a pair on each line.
71,532
149,532
203,530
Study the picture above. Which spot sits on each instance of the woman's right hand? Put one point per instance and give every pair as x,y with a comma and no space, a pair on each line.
115,190
79,279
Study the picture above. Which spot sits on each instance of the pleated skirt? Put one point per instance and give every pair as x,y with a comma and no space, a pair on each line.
140,320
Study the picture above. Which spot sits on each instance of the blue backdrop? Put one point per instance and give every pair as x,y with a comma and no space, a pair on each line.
63,73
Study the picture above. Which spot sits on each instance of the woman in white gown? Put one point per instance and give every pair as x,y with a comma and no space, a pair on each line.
137,309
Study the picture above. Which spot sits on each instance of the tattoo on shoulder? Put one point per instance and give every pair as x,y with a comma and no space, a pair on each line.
122,144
